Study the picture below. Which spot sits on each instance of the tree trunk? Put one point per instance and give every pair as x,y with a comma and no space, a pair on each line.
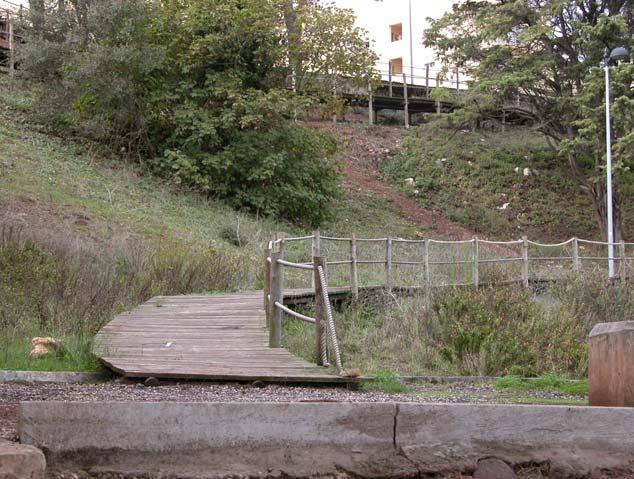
598,195
293,36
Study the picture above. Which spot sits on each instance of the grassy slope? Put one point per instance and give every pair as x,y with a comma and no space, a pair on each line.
69,189
70,192
469,176
70,182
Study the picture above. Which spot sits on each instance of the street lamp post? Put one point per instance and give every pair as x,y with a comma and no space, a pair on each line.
617,54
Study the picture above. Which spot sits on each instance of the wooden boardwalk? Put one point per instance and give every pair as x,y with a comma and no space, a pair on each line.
220,337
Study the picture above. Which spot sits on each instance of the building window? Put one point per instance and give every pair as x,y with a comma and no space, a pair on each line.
396,32
396,66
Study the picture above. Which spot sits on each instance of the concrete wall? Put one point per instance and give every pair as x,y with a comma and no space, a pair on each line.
390,439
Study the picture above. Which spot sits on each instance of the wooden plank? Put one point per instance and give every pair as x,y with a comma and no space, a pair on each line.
219,337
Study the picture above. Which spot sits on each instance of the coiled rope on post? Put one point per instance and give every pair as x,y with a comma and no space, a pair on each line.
330,323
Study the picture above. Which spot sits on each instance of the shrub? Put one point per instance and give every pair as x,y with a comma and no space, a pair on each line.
49,286
284,171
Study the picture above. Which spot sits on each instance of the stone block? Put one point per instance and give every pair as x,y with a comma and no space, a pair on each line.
611,364
18,461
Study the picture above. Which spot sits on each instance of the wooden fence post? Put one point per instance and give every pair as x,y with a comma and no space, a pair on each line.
316,243
426,265
334,96
475,265
354,273
315,251
370,105
388,265
575,254
623,261
282,249
267,285
277,295
320,312
525,261
406,105
11,47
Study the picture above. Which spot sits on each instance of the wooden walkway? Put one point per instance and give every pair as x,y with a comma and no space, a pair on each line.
219,337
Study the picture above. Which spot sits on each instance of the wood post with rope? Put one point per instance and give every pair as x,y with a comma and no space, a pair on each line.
525,261
277,296
388,265
476,263
354,272
320,313
623,261
267,285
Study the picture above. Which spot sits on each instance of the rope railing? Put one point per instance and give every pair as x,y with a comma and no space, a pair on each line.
455,262
409,265
274,306
330,323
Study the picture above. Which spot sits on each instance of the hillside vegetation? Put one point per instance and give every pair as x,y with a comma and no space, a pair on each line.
85,235
499,184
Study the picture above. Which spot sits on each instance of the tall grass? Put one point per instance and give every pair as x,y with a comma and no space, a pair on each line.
56,287
492,331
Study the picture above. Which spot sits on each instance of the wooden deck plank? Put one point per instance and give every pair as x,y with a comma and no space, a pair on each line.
219,337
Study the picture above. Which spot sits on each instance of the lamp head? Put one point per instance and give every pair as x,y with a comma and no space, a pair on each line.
619,53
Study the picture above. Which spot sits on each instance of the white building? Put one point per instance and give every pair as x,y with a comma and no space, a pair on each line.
396,29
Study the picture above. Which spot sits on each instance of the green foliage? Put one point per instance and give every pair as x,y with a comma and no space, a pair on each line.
545,55
469,175
547,382
461,331
387,382
198,91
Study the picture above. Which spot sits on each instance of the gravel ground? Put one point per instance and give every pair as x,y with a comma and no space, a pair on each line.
12,393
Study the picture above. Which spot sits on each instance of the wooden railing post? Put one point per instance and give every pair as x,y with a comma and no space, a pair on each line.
334,97
525,261
575,254
388,265
475,265
354,273
315,251
320,313
406,105
370,105
277,295
267,284
426,265
623,261
282,249
11,47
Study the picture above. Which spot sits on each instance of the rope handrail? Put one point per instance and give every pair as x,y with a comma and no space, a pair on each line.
335,238
543,245
451,242
403,240
330,324
295,314
603,243
299,238
295,265
500,242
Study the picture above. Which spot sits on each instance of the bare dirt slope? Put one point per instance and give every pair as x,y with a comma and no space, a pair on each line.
362,149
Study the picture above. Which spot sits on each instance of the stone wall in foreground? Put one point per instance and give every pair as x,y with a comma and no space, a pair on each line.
300,439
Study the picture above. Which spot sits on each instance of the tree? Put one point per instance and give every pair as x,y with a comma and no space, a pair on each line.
197,90
547,53
326,51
